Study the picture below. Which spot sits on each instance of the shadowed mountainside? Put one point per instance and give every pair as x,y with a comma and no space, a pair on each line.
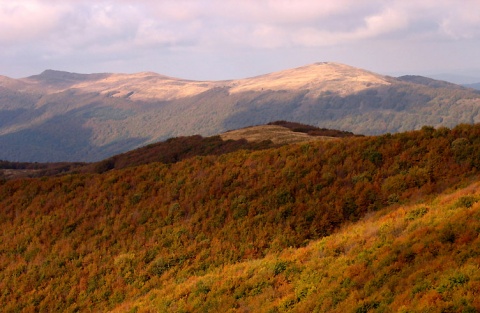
60,116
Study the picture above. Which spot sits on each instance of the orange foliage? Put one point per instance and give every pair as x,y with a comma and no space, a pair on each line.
94,242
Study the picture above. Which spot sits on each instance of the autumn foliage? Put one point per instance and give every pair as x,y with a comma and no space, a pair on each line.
353,224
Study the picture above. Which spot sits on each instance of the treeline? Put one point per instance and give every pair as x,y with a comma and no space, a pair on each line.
313,130
90,242
9,170
26,165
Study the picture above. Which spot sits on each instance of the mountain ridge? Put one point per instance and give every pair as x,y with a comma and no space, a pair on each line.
176,149
89,117
297,78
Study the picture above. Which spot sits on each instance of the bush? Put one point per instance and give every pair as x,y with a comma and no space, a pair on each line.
416,213
465,202
279,267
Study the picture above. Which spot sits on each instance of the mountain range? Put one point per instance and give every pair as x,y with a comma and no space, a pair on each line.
474,86
60,116
187,207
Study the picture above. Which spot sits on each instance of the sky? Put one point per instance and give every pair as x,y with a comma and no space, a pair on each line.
230,39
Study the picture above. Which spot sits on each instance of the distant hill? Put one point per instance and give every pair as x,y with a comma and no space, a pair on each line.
469,77
429,82
386,223
474,86
59,116
176,149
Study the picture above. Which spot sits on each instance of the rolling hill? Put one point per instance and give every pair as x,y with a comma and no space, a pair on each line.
384,223
59,116
176,149
474,86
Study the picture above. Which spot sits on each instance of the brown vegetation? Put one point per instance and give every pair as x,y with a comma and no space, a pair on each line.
312,130
277,230
12,170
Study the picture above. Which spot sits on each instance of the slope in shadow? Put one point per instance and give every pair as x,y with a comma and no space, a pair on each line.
60,139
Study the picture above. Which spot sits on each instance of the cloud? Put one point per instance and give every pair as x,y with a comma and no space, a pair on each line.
462,21
122,29
27,20
262,23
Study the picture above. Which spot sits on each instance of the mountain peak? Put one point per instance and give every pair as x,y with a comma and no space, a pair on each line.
63,77
60,75
317,78
50,72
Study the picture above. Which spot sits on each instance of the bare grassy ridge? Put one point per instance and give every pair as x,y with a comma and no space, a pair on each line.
318,77
274,133
284,132
312,130
347,225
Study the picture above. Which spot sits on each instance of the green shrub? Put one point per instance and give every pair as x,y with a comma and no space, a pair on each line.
279,267
465,202
416,213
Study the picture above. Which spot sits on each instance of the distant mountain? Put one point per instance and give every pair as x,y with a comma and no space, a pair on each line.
469,77
474,86
59,116
429,82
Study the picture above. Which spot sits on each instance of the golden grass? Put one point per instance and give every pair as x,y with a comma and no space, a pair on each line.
318,78
277,134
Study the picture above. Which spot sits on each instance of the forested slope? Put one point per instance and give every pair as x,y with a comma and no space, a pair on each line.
416,258
122,239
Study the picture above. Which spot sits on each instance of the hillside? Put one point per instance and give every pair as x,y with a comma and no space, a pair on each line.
59,116
397,260
177,149
352,224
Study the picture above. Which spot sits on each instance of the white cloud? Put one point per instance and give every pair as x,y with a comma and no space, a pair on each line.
373,26
26,20
462,21
266,23
116,29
